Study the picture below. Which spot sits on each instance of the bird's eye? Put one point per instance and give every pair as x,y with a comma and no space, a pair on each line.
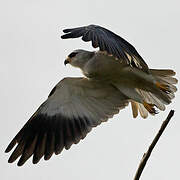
73,54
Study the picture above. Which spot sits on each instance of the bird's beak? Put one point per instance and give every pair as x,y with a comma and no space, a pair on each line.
67,61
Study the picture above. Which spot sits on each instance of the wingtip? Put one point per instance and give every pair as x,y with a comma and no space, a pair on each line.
66,30
11,159
10,146
7,150
62,37
65,36
47,156
35,160
20,163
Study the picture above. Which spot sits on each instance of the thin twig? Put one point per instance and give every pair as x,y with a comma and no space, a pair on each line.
151,147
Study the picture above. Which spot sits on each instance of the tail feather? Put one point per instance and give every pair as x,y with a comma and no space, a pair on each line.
157,97
164,77
163,72
167,79
163,96
152,99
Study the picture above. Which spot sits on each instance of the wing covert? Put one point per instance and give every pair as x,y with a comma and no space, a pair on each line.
73,108
108,41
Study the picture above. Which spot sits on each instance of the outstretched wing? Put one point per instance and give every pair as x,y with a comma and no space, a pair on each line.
73,107
109,42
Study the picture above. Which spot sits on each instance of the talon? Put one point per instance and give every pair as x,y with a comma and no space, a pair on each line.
150,108
163,87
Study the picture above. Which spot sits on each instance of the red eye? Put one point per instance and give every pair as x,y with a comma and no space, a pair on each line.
73,54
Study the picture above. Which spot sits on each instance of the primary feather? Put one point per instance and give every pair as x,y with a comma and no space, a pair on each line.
115,76
73,108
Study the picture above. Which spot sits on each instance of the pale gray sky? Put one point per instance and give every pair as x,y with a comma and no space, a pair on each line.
31,63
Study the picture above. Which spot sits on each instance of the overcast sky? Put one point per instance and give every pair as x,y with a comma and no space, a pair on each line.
31,63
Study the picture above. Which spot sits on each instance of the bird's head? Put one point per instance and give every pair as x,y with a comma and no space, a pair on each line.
79,58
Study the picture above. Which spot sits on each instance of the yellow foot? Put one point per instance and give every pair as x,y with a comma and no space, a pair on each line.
150,108
163,87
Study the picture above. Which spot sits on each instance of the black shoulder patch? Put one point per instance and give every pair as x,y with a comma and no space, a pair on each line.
52,91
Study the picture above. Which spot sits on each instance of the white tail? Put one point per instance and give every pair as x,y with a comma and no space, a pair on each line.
164,78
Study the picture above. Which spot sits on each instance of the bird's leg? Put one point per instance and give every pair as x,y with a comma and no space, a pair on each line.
150,108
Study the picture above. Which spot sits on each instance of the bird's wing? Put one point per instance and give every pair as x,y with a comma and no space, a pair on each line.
108,41
73,107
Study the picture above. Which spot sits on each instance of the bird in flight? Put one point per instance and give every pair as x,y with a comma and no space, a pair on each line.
115,76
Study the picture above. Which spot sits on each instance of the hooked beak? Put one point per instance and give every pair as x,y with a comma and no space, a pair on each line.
67,61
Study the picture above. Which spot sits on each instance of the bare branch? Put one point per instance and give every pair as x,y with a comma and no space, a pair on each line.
151,147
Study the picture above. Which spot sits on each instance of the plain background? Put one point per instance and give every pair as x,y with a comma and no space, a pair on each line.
31,63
